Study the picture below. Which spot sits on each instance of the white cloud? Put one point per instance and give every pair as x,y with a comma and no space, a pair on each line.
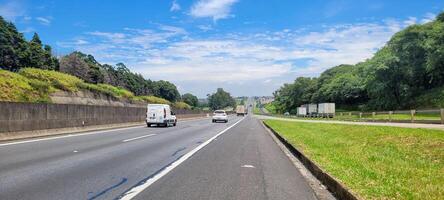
12,10
175,6
263,59
411,21
205,27
44,21
428,18
216,9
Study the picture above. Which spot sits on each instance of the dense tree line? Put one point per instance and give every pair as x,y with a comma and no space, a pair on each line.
17,53
411,64
220,100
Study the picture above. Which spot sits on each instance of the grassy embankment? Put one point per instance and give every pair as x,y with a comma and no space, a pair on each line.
374,162
36,85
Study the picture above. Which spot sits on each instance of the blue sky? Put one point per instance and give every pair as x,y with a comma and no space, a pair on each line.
248,47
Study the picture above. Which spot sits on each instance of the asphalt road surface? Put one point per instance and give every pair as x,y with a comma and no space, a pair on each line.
243,162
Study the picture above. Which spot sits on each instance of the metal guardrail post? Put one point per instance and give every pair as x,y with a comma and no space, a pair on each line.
390,116
442,116
412,113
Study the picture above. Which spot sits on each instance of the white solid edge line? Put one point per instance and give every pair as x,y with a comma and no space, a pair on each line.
136,190
140,137
68,135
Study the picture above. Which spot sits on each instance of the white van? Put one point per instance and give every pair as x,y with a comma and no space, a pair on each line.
160,115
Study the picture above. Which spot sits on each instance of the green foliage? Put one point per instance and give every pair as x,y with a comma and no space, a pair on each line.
16,52
290,96
108,90
270,107
13,47
56,79
181,105
433,98
410,65
153,100
374,162
17,88
221,100
190,99
166,90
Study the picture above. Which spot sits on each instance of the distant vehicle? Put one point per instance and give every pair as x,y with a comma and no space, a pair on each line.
302,111
160,115
312,109
220,115
240,110
326,110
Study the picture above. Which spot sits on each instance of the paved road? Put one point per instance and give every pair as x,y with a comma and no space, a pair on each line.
242,163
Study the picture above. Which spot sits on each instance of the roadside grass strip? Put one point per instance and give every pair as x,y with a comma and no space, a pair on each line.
375,162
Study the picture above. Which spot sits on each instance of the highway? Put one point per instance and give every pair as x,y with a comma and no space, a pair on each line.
182,162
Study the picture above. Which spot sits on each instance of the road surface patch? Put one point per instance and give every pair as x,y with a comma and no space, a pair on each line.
164,171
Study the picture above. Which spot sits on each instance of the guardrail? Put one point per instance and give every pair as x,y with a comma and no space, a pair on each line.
433,116
426,116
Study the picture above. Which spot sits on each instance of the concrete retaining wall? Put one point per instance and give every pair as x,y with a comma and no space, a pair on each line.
16,117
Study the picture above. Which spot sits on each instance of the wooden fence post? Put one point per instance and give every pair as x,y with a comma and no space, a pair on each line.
360,116
412,113
442,116
373,115
390,116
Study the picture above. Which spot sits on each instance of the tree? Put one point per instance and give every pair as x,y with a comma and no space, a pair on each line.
40,56
166,90
291,96
13,47
190,99
76,66
221,100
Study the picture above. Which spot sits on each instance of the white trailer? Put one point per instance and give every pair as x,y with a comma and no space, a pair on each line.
312,109
302,111
326,109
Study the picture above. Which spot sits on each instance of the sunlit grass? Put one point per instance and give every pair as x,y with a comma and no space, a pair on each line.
375,162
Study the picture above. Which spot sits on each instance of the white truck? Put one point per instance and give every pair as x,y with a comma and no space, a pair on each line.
160,115
312,109
240,110
302,111
326,109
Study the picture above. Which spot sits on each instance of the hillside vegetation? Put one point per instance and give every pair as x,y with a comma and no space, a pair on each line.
408,72
30,73
36,85
18,53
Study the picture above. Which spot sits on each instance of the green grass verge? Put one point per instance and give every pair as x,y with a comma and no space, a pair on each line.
375,162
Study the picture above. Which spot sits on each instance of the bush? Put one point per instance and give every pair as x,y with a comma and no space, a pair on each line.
58,80
108,90
181,105
17,88
153,99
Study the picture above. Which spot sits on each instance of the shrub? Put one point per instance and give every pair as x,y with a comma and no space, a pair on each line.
181,105
17,88
153,99
57,79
